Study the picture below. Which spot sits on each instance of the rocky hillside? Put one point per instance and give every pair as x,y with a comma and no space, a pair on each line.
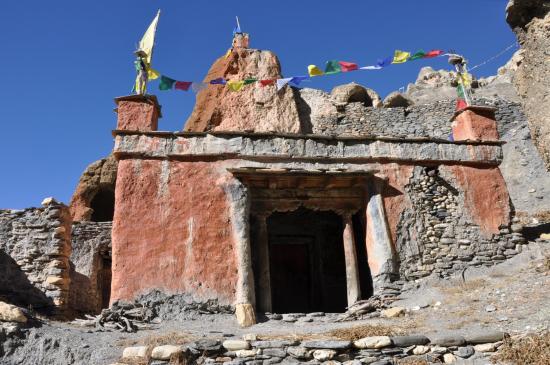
530,20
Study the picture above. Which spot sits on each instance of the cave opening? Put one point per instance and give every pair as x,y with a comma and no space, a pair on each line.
103,205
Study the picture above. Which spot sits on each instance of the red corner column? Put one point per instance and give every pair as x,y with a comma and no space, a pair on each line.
475,123
138,113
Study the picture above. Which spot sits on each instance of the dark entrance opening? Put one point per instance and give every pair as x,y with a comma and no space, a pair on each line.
307,263
103,205
104,279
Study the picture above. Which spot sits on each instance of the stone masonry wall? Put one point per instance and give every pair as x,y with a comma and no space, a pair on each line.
34,256
91,242
437,233
428,120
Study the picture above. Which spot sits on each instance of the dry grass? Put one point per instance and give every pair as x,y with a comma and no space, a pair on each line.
533,350
133,361
459,287
171,338
357,332
543,216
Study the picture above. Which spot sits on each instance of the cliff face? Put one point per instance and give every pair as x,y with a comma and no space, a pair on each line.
530,20
255,108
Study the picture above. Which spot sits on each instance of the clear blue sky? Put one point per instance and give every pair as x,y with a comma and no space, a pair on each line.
64,61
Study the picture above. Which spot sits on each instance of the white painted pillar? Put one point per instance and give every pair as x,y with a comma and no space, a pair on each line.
352,267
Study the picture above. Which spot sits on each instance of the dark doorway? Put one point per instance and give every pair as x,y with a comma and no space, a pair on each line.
307,263
104,276
103,205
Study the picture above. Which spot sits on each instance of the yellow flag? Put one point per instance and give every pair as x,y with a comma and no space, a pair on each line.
235,85
228,53
400,56
148,40
314,70
466,79
152,74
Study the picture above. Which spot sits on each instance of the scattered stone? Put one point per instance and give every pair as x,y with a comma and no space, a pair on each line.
247,353
298,352
449,358
289,318
393,312
234,345
135,351
317,314
48,201
323,355
485,347
11,313
277,352
490,308
374,342
489,337
464,352
250,337
449,340
273,343
206,345
421,350
334,345
164,352
439,350
545,236
405,341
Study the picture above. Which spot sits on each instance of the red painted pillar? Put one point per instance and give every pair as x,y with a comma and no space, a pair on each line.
475,123
137,113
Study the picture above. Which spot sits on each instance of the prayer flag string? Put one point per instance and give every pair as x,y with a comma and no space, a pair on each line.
331,67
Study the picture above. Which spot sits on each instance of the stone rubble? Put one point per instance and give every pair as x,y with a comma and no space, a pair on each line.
368,350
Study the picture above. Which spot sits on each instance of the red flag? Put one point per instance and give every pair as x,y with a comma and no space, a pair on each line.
433,53
461,104
267,82
183,85
347,66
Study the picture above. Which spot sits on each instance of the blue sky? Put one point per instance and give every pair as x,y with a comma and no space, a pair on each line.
64,61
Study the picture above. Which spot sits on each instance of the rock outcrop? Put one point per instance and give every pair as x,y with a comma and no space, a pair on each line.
97,181
255,108
530,20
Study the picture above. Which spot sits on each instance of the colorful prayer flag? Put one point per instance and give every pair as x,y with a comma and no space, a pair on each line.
250,81
235,85
267,82
313,70
433,53
460,91
332,67
183,85
228,53
218,81
296,80
385,62
461,104
147,42
466,79
282,82
347,66
152,74
166,83
400,56
198,86
370,68
418,55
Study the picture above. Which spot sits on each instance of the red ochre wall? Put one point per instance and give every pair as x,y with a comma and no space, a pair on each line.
172,231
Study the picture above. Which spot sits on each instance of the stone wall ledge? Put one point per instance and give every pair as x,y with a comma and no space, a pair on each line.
255,146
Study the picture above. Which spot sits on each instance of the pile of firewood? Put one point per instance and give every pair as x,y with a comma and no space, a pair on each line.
362,308
125,318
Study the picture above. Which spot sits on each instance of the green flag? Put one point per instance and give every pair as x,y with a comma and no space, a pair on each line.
460,91
166,83
249,81
332,67
418,55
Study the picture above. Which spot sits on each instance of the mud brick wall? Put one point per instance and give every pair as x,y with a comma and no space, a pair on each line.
90,263
34,257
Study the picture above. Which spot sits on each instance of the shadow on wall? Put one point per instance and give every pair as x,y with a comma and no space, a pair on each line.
16,288
103,205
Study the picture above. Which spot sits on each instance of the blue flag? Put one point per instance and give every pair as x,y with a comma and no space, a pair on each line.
237,29
297,79
384,62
